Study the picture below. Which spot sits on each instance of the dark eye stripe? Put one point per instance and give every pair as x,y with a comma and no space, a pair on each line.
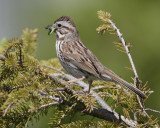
70,29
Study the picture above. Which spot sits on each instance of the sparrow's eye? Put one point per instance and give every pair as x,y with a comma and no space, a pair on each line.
59,25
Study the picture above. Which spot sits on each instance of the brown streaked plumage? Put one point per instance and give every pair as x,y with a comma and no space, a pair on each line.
78,60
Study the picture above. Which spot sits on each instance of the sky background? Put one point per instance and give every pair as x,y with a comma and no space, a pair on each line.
139,21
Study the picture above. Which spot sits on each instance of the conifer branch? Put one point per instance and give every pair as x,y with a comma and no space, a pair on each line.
106,112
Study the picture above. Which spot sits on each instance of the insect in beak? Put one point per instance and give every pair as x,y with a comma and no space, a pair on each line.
51,29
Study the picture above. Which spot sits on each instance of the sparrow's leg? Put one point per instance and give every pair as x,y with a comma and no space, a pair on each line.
90,84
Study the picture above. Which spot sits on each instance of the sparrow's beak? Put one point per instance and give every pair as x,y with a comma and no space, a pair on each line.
51,29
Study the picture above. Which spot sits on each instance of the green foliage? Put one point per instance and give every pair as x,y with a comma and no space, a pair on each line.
21,78
105,18
89,124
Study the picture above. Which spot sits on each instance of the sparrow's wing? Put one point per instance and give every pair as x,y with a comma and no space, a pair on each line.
81,58
82,63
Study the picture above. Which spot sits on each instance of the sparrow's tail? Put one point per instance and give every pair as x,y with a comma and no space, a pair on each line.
119,80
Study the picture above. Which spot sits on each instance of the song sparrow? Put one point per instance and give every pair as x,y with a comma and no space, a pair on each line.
77,59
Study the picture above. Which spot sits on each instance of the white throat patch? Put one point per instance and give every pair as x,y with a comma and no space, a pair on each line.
60,35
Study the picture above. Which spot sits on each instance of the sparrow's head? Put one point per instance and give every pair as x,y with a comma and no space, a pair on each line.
63,26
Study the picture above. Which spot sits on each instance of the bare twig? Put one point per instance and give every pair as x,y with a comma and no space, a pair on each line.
126,48
9,106
64,114
43,106
152,110
98,87
59,70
